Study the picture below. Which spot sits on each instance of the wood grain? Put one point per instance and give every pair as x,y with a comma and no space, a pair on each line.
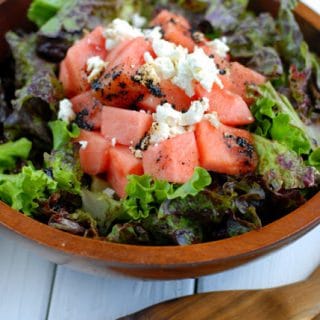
295,302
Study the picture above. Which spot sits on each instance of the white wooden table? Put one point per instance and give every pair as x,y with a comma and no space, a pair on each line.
32,288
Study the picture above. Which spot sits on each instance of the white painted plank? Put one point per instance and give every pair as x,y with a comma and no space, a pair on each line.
80,296
292,263
25,283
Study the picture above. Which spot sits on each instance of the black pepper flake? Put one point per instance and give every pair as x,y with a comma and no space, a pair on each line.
211,56
81,121
122,85
96,85
154,89
222,71
116,74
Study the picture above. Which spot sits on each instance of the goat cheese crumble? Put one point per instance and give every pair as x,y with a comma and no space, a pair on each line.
169,122
138,21
95,67
219,46
118,31
66,112
83,144
175,63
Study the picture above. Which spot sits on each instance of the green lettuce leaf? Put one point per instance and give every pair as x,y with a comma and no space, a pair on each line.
40,11
129,232
277,119
200,179
103,208
173,229
234,200
24,190
62,133
314,159
13,150
282,168
145,195
64,167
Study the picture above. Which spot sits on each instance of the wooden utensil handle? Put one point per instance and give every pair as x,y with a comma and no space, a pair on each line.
297,301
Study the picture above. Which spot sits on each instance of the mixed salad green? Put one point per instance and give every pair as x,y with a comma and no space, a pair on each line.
40,174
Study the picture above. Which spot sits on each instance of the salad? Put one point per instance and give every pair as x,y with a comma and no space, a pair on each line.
158,123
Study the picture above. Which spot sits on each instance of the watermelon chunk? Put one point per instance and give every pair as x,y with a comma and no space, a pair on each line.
122,163
74,64
88,108
128,127
231,108
170,93
165,16
238,77
117,86
175,29
173,159
94,154
225,149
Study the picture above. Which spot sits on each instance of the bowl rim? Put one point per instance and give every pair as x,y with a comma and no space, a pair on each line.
253,243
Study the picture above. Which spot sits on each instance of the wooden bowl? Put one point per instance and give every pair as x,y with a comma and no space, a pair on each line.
172,262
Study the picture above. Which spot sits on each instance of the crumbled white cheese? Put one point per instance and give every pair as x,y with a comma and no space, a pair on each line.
213,119
109,192
113,141
219,46
195,113
148,57
66,112
83,144
184,78
203,69
166,114
119,30
153,33
161,131
138,21
147,74
169,122
136,152
163,66
95,67
175,63
163,48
